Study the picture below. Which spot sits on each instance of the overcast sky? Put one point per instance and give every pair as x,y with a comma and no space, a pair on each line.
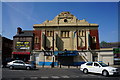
26,14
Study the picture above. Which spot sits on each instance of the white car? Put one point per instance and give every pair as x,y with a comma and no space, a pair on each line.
20,65
98,67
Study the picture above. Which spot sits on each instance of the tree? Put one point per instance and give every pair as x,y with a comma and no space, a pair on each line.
103,42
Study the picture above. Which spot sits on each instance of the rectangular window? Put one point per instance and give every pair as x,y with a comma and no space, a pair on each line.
81,33
49,33
65,34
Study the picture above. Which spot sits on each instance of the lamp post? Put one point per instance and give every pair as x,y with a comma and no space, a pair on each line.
44,58
53,56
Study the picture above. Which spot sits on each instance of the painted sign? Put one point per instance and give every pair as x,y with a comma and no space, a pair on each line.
23,45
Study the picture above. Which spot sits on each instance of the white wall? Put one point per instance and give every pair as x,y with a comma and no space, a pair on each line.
106,57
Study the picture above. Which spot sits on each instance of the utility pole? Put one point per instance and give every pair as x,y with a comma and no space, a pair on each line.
53,51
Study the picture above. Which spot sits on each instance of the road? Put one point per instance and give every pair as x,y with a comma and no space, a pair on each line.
54,73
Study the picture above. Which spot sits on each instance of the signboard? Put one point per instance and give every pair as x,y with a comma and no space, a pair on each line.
23,45
116,52
48,53
67,54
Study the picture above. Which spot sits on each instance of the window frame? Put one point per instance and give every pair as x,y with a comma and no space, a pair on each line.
94,39
65,34
36,39
81,33
49,33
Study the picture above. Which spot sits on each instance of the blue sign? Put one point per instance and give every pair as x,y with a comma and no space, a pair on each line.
66,53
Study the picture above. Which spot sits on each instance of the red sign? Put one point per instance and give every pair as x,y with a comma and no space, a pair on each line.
20,52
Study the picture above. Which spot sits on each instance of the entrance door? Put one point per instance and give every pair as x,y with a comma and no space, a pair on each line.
65,60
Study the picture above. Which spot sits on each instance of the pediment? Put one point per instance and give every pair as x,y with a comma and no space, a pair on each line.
65,19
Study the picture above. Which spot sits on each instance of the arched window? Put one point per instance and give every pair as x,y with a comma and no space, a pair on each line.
36,39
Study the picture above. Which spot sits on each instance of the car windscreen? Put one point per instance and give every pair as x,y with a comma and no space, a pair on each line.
103,64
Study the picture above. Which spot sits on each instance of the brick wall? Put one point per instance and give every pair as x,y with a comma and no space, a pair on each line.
94,33
37,44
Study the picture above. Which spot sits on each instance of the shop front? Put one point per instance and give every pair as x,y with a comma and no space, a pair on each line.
25,56
64,58
68,58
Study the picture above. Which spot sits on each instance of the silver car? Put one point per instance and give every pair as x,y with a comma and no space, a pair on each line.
19,64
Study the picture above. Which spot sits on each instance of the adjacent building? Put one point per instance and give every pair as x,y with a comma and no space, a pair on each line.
6,47
110,53
23,43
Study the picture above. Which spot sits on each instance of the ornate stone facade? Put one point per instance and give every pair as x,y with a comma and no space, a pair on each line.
68,33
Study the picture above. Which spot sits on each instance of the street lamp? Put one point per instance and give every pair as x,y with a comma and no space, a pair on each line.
52,65
44,58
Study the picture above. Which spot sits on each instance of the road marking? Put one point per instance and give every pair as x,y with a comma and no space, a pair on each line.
33,77
55,77
76,76
22,78
65,76
44,77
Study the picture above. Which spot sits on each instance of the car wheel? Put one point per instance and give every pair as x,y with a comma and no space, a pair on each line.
11,67
28,68
105,73
85,71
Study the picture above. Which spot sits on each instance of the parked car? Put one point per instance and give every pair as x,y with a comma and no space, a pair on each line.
4,62
98,67
19,64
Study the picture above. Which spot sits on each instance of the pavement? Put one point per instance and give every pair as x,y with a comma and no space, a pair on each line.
37,66
115,65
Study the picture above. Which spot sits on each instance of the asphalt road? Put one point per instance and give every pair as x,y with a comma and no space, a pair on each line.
54,73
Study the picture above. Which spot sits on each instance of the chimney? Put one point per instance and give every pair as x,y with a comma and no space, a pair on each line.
19,30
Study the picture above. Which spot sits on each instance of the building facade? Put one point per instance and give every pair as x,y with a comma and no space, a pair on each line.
110,53
65,40
6,47
23,43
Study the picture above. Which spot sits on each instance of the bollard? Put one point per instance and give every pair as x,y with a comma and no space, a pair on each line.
76,66
52,65
108,63
68,66
60,65
43,66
